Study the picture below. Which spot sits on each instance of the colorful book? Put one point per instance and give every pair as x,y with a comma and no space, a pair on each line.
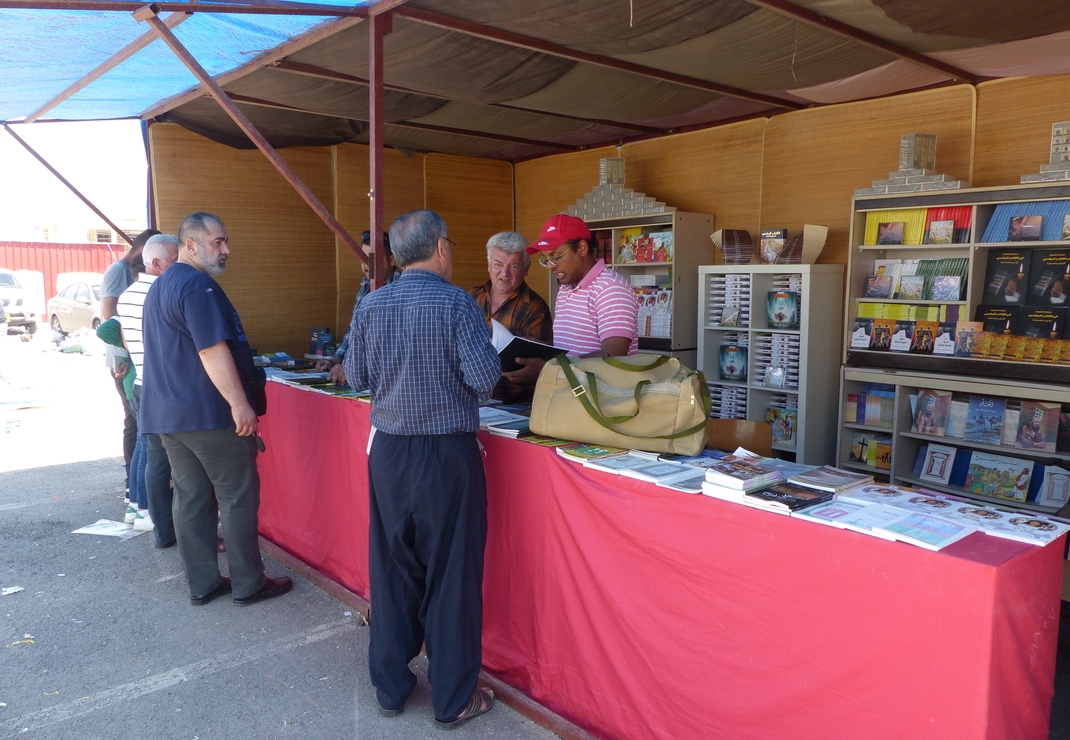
938,462
1038,426
966,335
984,420
925,530
924,338
902,336
944,341
941,232
890,232
912,288
860,333
878,286
945,288
932,410
881,334
829,512
1025,228
998,476
828,478
785,498
1034,530
580,452
771,245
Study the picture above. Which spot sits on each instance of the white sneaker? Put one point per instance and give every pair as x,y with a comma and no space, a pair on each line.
131,514
142,521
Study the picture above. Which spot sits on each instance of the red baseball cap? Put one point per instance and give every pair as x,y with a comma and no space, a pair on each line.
558,230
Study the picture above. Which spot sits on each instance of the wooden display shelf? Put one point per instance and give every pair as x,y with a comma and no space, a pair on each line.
999,369
1000,449
955,490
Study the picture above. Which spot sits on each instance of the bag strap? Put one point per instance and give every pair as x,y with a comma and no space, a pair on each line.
620,365
581,395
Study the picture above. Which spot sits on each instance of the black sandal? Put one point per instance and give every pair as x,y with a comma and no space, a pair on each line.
480,703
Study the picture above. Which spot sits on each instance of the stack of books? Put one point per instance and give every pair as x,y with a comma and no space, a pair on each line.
735,244
729,300
731,478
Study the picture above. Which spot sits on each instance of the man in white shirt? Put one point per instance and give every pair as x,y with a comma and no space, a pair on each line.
150,472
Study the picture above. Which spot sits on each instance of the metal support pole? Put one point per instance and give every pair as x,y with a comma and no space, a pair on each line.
378,27
62,179
149,14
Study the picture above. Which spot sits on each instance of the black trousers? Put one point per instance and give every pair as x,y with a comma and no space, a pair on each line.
428,497
129,427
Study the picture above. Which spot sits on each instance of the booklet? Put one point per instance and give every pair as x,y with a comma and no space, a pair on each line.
509,347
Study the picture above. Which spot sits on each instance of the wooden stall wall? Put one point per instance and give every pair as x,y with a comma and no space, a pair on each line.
475,197
403,180
815,159
281,274
716,171
1014,118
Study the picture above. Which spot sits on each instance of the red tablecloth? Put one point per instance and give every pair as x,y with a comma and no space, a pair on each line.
638,612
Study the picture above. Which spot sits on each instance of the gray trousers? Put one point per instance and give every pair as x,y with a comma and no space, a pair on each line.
216,460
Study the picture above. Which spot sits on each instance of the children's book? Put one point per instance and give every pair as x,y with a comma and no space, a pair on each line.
998,476
984,420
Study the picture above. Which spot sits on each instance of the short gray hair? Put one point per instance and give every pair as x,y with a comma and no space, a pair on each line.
414,236
195,227
509,242
160,246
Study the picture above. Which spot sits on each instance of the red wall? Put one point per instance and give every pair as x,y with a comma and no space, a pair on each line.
53,259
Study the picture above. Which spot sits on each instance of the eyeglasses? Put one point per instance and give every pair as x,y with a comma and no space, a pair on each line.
453,244
549,261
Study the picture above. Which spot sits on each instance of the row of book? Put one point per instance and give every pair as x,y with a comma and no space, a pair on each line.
782,415
638,247
729,300
655,312
776,360
874,407
990,420
317,382
1030,277
1037,340
1029,221
919,279
949,225
983,473
872,449
940,312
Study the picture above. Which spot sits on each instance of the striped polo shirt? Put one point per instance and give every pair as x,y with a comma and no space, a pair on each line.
130,306
600,306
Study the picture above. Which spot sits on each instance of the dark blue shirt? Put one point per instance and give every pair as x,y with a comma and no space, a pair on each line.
422,347
185,311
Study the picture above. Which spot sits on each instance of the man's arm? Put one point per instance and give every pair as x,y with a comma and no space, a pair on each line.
219,364
612,347
108,307
480,364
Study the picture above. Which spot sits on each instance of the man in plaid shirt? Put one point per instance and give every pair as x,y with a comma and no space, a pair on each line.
508,299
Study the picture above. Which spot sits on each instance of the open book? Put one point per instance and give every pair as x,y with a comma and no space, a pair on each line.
509,347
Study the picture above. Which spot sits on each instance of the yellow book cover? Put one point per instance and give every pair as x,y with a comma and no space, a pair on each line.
998,346
983,344
913,220
1015,349
1034,349
1053,349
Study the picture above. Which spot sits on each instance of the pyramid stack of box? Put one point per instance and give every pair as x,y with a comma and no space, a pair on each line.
611,199
736,245
917,170
1058,166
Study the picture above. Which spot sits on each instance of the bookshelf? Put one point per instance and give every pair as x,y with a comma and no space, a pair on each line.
810,380
981,218
906,443
691,248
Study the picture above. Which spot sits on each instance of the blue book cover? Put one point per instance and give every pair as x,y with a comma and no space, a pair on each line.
984,420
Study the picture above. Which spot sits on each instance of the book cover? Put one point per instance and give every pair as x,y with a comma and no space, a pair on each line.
946,288
966,335
1015,349
881,335
938,462
912,288
786,498
1049,277
829,512
784,422
1034,349
902,335
997,346
733,363
1038,426
860,333
983,344
663,245
941,232
890,232
924,337
876,494
616,464
1035,530
868,519
998,476
739,475
1005,276
878,286
782,309
1054,488
984,420
686,484
1025,228
997,319
772,244
579,452
1041,322
932,411
924,530
657,470
1053,350
626,249
944,341
510,347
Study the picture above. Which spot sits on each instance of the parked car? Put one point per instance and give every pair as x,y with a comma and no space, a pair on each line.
16,302
77,306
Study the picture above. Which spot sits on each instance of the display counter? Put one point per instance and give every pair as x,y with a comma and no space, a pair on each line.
642,613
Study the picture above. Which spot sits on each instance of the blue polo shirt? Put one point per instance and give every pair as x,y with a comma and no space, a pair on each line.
185,311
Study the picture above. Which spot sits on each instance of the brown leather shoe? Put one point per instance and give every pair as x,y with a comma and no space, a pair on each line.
480,703
274,587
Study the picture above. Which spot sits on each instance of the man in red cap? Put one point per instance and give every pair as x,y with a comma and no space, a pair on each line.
596,313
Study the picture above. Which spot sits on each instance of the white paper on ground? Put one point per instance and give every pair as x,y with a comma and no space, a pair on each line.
108,528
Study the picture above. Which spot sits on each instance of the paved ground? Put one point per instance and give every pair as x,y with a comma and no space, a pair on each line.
103,643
